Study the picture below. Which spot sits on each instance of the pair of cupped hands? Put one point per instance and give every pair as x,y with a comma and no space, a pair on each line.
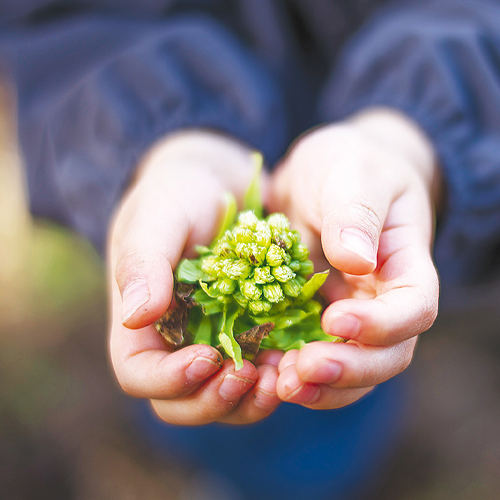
362,192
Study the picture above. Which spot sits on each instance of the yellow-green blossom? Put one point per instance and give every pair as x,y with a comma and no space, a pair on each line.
254,285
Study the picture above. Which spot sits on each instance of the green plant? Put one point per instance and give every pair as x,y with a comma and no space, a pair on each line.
253,287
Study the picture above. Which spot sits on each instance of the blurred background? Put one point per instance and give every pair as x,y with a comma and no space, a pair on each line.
65,430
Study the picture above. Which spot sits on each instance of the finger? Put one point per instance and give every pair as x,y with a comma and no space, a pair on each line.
331,398
353,213
143,261
150,235
145,368
352,365
288,359
260,401
292,389
213,401
405,305
143,285
268,357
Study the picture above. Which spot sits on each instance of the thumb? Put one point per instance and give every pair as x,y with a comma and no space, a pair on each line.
145,282
353,215
143,256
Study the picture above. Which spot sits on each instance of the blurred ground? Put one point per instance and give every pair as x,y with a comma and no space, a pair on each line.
64,432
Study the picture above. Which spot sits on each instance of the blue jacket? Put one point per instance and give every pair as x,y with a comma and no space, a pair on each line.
99,80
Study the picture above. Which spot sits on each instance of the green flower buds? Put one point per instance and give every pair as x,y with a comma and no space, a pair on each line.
263,275
275,255
300,252
227,286
252,288
260,306
283,273
292,288
260,249
274,293
306,267
235,269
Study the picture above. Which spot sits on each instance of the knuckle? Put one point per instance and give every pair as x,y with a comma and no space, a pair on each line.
119,369
406,360
128,266
427,309
126,383
365,373
367,218
405,355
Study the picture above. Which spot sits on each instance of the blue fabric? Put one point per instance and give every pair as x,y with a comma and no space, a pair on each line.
95,93
296,453
99,81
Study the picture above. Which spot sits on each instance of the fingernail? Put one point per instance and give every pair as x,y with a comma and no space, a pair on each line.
305,394
265,400
343,325
326,371
289,359
358,242
234,387
201,368
135,295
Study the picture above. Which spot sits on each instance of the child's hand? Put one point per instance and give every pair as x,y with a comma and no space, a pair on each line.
367,189
176,202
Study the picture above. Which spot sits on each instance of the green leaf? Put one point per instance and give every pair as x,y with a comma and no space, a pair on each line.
204,333
229,215
284,340
226,336
201,298
313,306
229,346
311,287
209,305
287,318
195,317
213,307
296,336
202,249
189,271
253,196
205,288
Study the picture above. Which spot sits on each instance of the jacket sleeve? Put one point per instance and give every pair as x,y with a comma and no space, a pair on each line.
439,62
95,92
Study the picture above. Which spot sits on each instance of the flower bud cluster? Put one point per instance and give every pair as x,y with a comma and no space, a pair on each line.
259,263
